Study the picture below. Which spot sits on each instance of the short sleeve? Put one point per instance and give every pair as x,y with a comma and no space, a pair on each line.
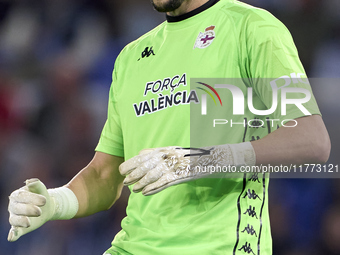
271,59
111,139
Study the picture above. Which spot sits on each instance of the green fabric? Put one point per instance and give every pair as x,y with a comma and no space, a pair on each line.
205,216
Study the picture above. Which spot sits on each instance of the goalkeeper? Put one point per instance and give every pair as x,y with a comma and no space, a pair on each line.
173,208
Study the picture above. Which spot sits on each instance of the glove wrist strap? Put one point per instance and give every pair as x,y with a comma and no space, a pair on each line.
66,203
243,154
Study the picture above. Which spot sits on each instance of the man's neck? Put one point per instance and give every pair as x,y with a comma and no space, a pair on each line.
187,6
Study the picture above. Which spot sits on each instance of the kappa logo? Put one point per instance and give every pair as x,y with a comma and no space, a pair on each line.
254,178
249,230
252,195
246,248
206,38
251,212
147,53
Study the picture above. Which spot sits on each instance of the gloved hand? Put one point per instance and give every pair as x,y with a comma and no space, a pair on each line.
33,205
156,169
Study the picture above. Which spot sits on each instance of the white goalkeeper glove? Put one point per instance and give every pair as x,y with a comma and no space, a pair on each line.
33,205
156,169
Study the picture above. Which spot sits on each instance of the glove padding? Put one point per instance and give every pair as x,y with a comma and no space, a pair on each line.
29,208
156,169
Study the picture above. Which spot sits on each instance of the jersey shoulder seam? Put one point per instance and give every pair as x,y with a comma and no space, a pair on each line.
143,37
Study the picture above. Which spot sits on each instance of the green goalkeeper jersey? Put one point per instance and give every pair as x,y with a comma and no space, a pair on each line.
160,82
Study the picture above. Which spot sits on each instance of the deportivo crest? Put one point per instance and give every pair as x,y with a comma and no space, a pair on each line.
205,39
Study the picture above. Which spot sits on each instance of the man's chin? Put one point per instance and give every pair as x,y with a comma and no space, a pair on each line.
167,5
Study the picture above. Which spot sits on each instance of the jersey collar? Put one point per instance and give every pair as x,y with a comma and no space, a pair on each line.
187,15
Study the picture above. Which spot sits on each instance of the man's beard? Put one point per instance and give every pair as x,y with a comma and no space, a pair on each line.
168,6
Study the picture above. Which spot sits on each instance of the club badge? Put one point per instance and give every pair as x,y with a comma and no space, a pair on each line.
205,39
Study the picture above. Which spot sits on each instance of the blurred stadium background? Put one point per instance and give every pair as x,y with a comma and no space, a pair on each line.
56,59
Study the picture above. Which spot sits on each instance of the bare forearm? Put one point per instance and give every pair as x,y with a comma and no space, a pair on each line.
98,185
308,142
